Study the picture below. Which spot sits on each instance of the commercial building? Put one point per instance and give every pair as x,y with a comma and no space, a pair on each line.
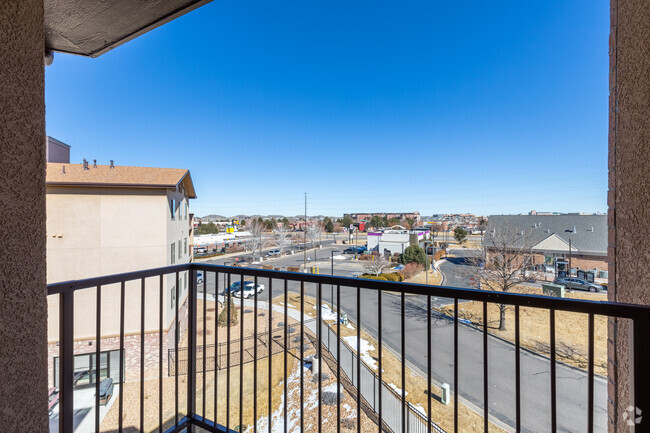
395,239
549,238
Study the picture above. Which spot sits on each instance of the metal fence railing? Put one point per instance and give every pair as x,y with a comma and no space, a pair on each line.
147,326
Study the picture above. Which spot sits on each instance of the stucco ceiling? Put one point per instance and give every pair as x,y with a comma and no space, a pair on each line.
93,27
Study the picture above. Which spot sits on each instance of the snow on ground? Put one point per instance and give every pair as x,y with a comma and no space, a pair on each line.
349,326
339,257
310,402
419,409
398,390
365,349
287,304
326,313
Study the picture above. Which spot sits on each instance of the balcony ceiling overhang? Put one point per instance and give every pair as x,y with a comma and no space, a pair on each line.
93,27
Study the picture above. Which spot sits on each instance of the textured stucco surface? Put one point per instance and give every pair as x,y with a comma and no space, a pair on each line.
23,307
629,190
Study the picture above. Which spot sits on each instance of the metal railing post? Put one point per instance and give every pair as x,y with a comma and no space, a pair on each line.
639,415
66,367
191,343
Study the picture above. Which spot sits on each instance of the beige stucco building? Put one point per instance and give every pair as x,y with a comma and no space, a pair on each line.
111,219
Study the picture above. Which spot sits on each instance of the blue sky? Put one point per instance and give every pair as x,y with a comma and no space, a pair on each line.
483,107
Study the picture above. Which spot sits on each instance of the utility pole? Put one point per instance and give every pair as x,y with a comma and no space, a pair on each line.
569,273
304,238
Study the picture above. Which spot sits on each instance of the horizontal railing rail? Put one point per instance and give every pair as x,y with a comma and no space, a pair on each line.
187,324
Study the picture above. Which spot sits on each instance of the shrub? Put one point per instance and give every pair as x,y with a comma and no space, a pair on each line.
365,257
394,276
411,270
223,316
381,277
293,269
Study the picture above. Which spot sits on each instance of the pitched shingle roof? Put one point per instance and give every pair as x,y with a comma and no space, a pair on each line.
541,227
119,176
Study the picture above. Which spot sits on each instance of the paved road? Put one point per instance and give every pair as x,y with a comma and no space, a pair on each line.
535,377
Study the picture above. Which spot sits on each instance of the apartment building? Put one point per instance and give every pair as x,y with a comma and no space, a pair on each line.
112,219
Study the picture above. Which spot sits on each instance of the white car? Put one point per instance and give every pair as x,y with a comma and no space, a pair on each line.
249,290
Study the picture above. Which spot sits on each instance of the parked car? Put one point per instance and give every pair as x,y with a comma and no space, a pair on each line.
235,289
354,250
578,283
199,277
273,253
248,291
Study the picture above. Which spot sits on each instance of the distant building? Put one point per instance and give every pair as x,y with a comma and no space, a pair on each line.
357,217
57,151
548,238
396,239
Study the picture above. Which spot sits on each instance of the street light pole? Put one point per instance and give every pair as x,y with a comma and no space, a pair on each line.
304,238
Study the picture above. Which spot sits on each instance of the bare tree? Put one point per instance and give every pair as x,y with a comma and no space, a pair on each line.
255,242
507,252
281,237
314,232
376,266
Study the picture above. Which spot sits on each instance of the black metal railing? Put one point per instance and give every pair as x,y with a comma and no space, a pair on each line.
180,323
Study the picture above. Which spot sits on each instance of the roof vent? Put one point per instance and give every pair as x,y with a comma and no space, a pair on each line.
548,230
63,170
94,163
591,229
574,229
85,164
112,165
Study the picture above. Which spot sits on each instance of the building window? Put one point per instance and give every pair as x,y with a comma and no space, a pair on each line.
85,373
180,251
186,209
173,251
172,298
171,208
185,246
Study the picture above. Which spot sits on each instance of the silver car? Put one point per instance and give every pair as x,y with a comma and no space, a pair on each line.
579,284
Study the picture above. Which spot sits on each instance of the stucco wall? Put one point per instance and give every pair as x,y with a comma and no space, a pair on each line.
629,191
94,232
23,308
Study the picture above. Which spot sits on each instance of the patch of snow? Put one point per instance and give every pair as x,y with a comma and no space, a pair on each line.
365,349
287,304
339,257
332,388
419,409
349,326
398,390
326,313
